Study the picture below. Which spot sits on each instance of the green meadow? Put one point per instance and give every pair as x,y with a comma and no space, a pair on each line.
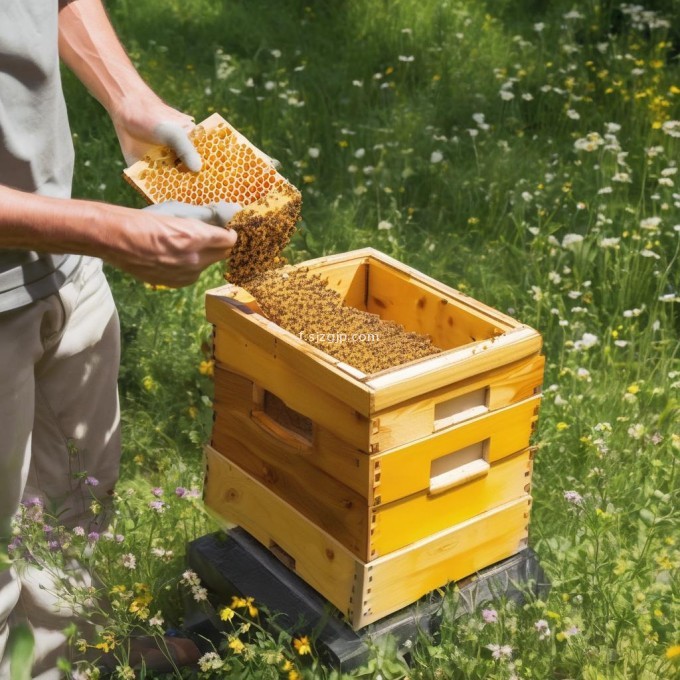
525,153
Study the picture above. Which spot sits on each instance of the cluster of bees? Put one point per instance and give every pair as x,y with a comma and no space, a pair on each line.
235,171
305,305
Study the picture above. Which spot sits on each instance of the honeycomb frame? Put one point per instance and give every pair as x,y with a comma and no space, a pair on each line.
236,171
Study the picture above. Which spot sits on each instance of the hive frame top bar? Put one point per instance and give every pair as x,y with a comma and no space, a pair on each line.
391,386
133,174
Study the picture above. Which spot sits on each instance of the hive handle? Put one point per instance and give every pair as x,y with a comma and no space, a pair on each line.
459,467
282,434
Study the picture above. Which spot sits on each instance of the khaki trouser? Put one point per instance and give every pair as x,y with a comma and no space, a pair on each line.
59,422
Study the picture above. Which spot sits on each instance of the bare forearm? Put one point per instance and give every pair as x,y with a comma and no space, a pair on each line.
153,247
35,222
90,48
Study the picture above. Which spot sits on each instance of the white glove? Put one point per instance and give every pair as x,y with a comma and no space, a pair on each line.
175,136
218,214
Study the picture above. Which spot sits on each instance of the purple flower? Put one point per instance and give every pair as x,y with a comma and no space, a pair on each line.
158,506
33,502
573,497
91,481
79,531
157,491
93,536
180,492
54,545
120,538
48,529
500,652
490,615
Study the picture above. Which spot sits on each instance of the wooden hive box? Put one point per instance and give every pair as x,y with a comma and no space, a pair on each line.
360,481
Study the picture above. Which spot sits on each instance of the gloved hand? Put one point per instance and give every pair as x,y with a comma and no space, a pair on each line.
218,214
139,127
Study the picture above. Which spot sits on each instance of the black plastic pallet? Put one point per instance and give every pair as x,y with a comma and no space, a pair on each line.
235,564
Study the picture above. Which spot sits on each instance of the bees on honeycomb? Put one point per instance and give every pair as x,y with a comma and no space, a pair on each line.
305,305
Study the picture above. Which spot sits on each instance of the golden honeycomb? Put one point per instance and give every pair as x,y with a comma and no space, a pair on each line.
234,171
305,305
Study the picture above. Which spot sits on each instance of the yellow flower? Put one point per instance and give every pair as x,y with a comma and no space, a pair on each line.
193,412
294,675
149,384
674,89
673,652
236,645
309,179
227,614
473,220
206,367
302,645
561,426
633,389
287,665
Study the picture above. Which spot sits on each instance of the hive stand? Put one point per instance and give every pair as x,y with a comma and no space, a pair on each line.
235,564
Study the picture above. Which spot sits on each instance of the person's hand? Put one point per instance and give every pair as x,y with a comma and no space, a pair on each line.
171,243
153,123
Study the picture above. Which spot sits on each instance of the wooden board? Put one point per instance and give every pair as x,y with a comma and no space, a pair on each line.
415,418
369,591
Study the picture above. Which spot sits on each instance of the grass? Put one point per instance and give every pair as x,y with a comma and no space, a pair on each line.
524,154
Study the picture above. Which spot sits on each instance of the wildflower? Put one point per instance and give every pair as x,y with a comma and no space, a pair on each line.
157,620
436,157
157,506
119,538
591,142
490,615
500,652
200,594
650,223
157,491
360,153
206,367
671,128
125,673
622,177
673,652
302,645
587,341
406,58
573,114
180,492
227,614
79,531
561,426
506,95
236,645
637,431
610,242
538,27
93,537
384,225
573,497
149,384
313,152
569,632
190,578
210,661
571,240
358,83
91,481
129,561
542,628
481,123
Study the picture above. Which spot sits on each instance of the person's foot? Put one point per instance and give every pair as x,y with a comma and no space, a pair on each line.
162,654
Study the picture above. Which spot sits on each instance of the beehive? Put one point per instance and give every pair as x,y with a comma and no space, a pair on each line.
234,170
375,487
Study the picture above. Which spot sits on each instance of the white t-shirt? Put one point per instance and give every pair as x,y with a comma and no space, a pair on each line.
36,150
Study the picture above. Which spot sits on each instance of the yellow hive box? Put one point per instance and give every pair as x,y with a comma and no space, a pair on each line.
363,592
377,464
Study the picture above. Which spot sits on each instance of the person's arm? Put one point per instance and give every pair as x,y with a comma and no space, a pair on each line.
151,246
88,45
